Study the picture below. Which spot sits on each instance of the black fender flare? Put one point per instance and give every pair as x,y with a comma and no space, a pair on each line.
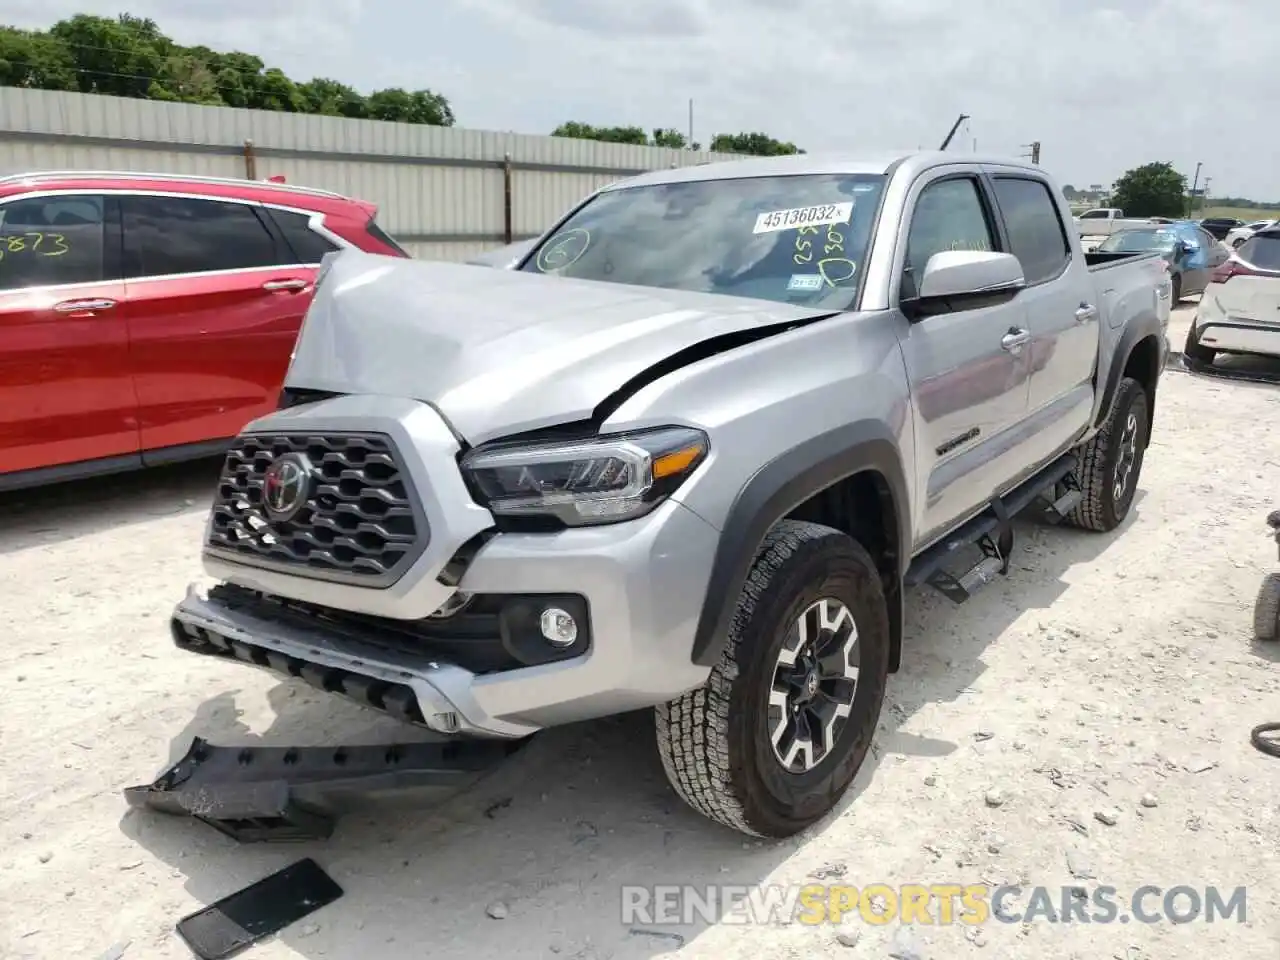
776,489
1147,325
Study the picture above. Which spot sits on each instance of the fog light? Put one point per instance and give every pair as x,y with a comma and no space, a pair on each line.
558,627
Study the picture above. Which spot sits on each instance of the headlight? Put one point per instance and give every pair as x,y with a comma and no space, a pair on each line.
601,480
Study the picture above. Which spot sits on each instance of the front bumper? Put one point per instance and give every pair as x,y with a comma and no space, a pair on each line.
643,583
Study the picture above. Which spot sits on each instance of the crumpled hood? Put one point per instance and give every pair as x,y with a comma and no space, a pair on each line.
500,351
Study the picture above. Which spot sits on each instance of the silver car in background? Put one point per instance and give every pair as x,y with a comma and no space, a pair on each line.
1240,309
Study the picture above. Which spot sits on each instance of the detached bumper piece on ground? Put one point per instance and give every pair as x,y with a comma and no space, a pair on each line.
257,794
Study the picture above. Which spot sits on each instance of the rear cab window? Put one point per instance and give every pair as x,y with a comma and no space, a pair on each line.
791,239
168,236
52,240
1037,235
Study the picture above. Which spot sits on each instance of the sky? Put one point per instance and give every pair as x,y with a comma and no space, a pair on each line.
1103,85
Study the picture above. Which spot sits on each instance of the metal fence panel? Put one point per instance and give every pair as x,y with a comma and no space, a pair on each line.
441,191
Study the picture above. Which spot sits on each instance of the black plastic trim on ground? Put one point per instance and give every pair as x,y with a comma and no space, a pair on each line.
289,793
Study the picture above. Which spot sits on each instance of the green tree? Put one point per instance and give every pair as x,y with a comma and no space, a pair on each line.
666,137
130,57
585,131
403,106
1151,190
331,98
30,60
755,144
120,57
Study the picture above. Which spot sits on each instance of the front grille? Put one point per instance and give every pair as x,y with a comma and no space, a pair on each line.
359,522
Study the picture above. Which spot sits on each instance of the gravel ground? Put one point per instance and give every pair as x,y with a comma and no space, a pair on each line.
1083,721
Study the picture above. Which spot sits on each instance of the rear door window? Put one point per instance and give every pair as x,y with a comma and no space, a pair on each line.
1037,236
307,245
166,236
49,241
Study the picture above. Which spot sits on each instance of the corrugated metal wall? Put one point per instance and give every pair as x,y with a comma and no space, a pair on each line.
441,191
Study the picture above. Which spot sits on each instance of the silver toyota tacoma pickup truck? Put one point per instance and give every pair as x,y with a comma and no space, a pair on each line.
687,451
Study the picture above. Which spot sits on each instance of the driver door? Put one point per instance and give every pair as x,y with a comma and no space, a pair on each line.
969,373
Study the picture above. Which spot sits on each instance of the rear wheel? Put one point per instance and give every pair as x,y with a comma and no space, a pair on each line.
1194,351
1111,462
772,741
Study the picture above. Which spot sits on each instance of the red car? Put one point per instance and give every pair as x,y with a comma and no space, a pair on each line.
146,318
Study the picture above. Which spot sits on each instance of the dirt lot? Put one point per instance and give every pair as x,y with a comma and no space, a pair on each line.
1108,675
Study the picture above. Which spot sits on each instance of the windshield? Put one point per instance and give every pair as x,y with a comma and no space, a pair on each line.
1138,241
798,239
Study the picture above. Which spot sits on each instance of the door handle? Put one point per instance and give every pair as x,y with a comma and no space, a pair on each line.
286,285
1086,312
1015,340
84,308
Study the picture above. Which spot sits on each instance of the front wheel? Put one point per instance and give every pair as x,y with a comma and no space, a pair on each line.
1177,289
1111,462
771,742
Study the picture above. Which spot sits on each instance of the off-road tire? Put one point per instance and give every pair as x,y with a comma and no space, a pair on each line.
715,742
1193,352
1100,510
1266,611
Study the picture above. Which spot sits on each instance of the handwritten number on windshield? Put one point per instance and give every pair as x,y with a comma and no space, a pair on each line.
563,250
834,268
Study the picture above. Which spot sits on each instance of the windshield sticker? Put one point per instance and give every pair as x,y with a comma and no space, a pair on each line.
805,281
814,216
563,250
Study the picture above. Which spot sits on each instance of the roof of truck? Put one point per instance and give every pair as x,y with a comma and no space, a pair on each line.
809,163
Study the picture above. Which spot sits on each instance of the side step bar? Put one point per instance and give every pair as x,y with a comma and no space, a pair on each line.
291,793
1055,488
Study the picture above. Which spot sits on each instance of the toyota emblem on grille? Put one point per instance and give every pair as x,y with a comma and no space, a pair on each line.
286,486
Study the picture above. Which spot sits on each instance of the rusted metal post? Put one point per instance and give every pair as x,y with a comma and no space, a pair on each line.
250,162
508,232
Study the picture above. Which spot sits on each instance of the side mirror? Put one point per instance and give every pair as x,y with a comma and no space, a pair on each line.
963,279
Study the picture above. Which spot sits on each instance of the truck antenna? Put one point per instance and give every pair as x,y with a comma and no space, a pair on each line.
952,132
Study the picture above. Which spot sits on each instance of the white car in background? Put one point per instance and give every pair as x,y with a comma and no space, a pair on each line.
1240,309
1240,234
